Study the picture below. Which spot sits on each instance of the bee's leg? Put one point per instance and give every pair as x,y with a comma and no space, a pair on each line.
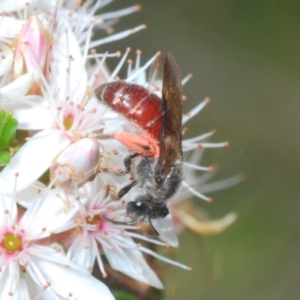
123,191
127,161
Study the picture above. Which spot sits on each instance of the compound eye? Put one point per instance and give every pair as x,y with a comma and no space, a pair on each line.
159,181
164,212
132,206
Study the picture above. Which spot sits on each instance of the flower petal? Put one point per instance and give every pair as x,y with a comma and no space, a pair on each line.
51,211
17,88
82,251
27,196
18,5
33,159
21,292
6,58
132,263
33,117
76,164
6,282
8,207
10,26
67,54
68,281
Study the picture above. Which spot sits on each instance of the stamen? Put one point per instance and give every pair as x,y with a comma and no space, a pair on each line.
165,259
116,36
99,66
120,13
86,46
120,64
193,191
142,69
195,110
195,167
214,145
199,137
138,59
222,184
186,78
98,257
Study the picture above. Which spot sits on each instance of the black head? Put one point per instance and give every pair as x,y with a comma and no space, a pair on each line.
144,208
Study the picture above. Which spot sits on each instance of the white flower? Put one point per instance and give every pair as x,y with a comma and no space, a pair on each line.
66,111
11,95
67,132
81,18
92,233
76,164
25,247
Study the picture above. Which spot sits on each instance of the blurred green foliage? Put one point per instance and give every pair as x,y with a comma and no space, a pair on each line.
8,128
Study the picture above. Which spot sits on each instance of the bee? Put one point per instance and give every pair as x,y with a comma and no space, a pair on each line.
159,171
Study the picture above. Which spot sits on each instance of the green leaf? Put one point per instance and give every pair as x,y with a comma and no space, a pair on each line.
8,128
3,117
121,295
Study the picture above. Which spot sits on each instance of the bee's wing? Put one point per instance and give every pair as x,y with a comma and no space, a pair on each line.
155,77
166,230
170,143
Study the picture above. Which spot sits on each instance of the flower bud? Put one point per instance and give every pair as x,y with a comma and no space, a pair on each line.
76,164
32,52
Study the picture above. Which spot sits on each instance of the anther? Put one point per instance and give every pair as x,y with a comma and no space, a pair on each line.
211,169
110,30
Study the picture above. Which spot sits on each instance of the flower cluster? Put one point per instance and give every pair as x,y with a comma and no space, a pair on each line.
58,178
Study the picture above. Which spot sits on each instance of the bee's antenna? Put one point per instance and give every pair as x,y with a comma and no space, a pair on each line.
156,232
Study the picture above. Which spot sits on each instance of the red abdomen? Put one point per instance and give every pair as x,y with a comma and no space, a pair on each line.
135,103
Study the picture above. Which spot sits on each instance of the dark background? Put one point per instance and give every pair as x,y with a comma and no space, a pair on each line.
245,56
